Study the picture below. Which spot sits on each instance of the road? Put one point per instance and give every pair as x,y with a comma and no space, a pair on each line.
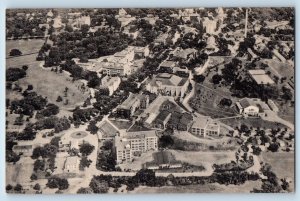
272,116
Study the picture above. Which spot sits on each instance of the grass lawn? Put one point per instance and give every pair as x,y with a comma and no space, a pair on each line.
206,188
46,83
51,85
207,159
280,68
206,101
251,122
223,142
25,46
20,172
283,164
286,112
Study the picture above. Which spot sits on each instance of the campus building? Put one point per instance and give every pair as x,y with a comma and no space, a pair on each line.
132,144
168,85
205,126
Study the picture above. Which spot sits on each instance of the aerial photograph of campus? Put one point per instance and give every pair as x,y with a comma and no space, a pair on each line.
150,100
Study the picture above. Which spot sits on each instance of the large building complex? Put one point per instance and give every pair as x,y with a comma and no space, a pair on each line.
168,84
133,143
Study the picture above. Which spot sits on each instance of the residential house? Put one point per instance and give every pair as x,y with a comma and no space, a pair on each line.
205,126
168,84
71,164
251,107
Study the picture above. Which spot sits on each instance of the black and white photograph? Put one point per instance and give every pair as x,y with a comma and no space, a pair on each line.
150,100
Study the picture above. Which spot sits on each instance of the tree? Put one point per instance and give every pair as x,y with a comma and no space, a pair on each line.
84,191
11,157
14,74
29,87
25,67
146,177
256,150
273,147
86,149
199,78
284,184
9,187
225,102
99,186
84,162
37,187
55,141
18,188
15,52
92,127
94,82
39,165
33,177
216,78
56,182
166,141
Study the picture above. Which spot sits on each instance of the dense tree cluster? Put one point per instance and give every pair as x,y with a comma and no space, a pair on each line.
145,177
106,159
56,182
18,24
86,149
74,45
53,122
51,109
28,104
271,184
14,74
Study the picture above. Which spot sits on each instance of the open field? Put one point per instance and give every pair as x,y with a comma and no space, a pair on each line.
206,159
46,83
50,84
223,142
25,46
280,68
207,188
287,112
283,164
251,122
20,172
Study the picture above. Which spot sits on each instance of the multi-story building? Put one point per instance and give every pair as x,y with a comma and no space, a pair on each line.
168,85
210,25
205,126
110,83
131,144
26,150
132,104
120,63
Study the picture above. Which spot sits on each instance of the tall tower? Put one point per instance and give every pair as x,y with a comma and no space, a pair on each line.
246,23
